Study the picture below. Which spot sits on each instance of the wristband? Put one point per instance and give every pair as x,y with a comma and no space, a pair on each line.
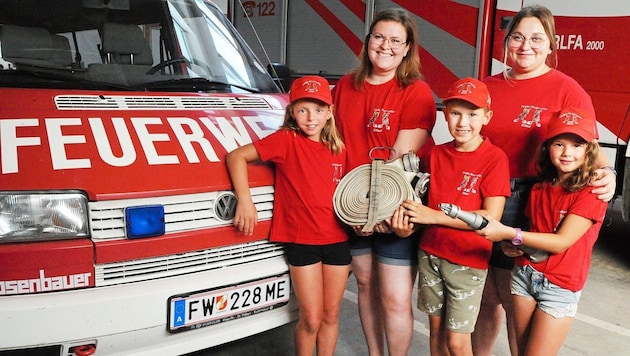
610,168
518,239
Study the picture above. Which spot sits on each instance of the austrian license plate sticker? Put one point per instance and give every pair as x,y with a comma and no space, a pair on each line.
208,307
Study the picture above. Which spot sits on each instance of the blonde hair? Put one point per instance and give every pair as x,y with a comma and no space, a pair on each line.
579,178
330,137
409,69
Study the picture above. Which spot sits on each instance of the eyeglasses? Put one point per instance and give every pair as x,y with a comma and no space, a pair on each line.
517,40
394,42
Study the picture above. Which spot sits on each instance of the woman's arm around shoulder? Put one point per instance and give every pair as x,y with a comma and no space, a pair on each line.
606,182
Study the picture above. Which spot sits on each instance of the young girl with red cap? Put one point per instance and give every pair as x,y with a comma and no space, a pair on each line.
565,221
309,158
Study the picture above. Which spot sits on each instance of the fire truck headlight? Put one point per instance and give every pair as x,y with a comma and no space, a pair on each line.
40,216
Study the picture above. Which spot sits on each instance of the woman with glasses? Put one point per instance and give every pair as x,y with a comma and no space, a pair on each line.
384,104
525,96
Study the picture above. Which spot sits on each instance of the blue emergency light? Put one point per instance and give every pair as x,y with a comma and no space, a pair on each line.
144,221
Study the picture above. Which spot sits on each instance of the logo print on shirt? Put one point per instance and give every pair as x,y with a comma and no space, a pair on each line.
380,120
528,111
468,184
337,172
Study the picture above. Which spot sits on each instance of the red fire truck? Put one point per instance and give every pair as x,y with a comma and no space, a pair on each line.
457,39
115,203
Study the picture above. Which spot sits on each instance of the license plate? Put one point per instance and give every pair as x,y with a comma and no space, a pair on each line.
208,307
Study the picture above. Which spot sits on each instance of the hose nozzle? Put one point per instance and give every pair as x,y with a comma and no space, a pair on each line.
474,220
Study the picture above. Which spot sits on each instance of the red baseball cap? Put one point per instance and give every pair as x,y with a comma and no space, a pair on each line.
311,87
471,90
573,120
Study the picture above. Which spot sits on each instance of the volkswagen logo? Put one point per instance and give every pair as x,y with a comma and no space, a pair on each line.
225,206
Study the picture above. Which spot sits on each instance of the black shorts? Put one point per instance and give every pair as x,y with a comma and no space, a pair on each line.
333,254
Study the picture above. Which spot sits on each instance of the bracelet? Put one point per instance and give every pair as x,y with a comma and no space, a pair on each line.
610,168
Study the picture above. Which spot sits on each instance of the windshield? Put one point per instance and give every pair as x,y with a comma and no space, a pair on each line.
165,45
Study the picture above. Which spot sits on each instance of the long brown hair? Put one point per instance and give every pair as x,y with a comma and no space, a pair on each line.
330,137
409,68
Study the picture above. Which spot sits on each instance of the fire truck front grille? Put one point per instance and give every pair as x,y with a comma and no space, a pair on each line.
121,102
190,262
181,212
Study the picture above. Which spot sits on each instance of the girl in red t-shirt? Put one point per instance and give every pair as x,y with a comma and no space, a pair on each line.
565,221
309,158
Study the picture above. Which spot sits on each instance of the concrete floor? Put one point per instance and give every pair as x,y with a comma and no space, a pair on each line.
602,326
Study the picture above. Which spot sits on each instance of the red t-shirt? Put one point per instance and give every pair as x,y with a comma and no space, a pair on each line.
372,117
307,173
464,179
547,208
522,109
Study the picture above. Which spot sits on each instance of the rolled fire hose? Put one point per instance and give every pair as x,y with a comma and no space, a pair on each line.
371,193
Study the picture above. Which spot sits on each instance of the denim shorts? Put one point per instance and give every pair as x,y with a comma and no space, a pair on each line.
389,248
550,298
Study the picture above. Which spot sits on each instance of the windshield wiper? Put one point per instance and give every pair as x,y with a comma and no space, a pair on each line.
194,84
34,75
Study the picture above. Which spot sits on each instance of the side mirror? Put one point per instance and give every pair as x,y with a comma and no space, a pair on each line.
281,75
